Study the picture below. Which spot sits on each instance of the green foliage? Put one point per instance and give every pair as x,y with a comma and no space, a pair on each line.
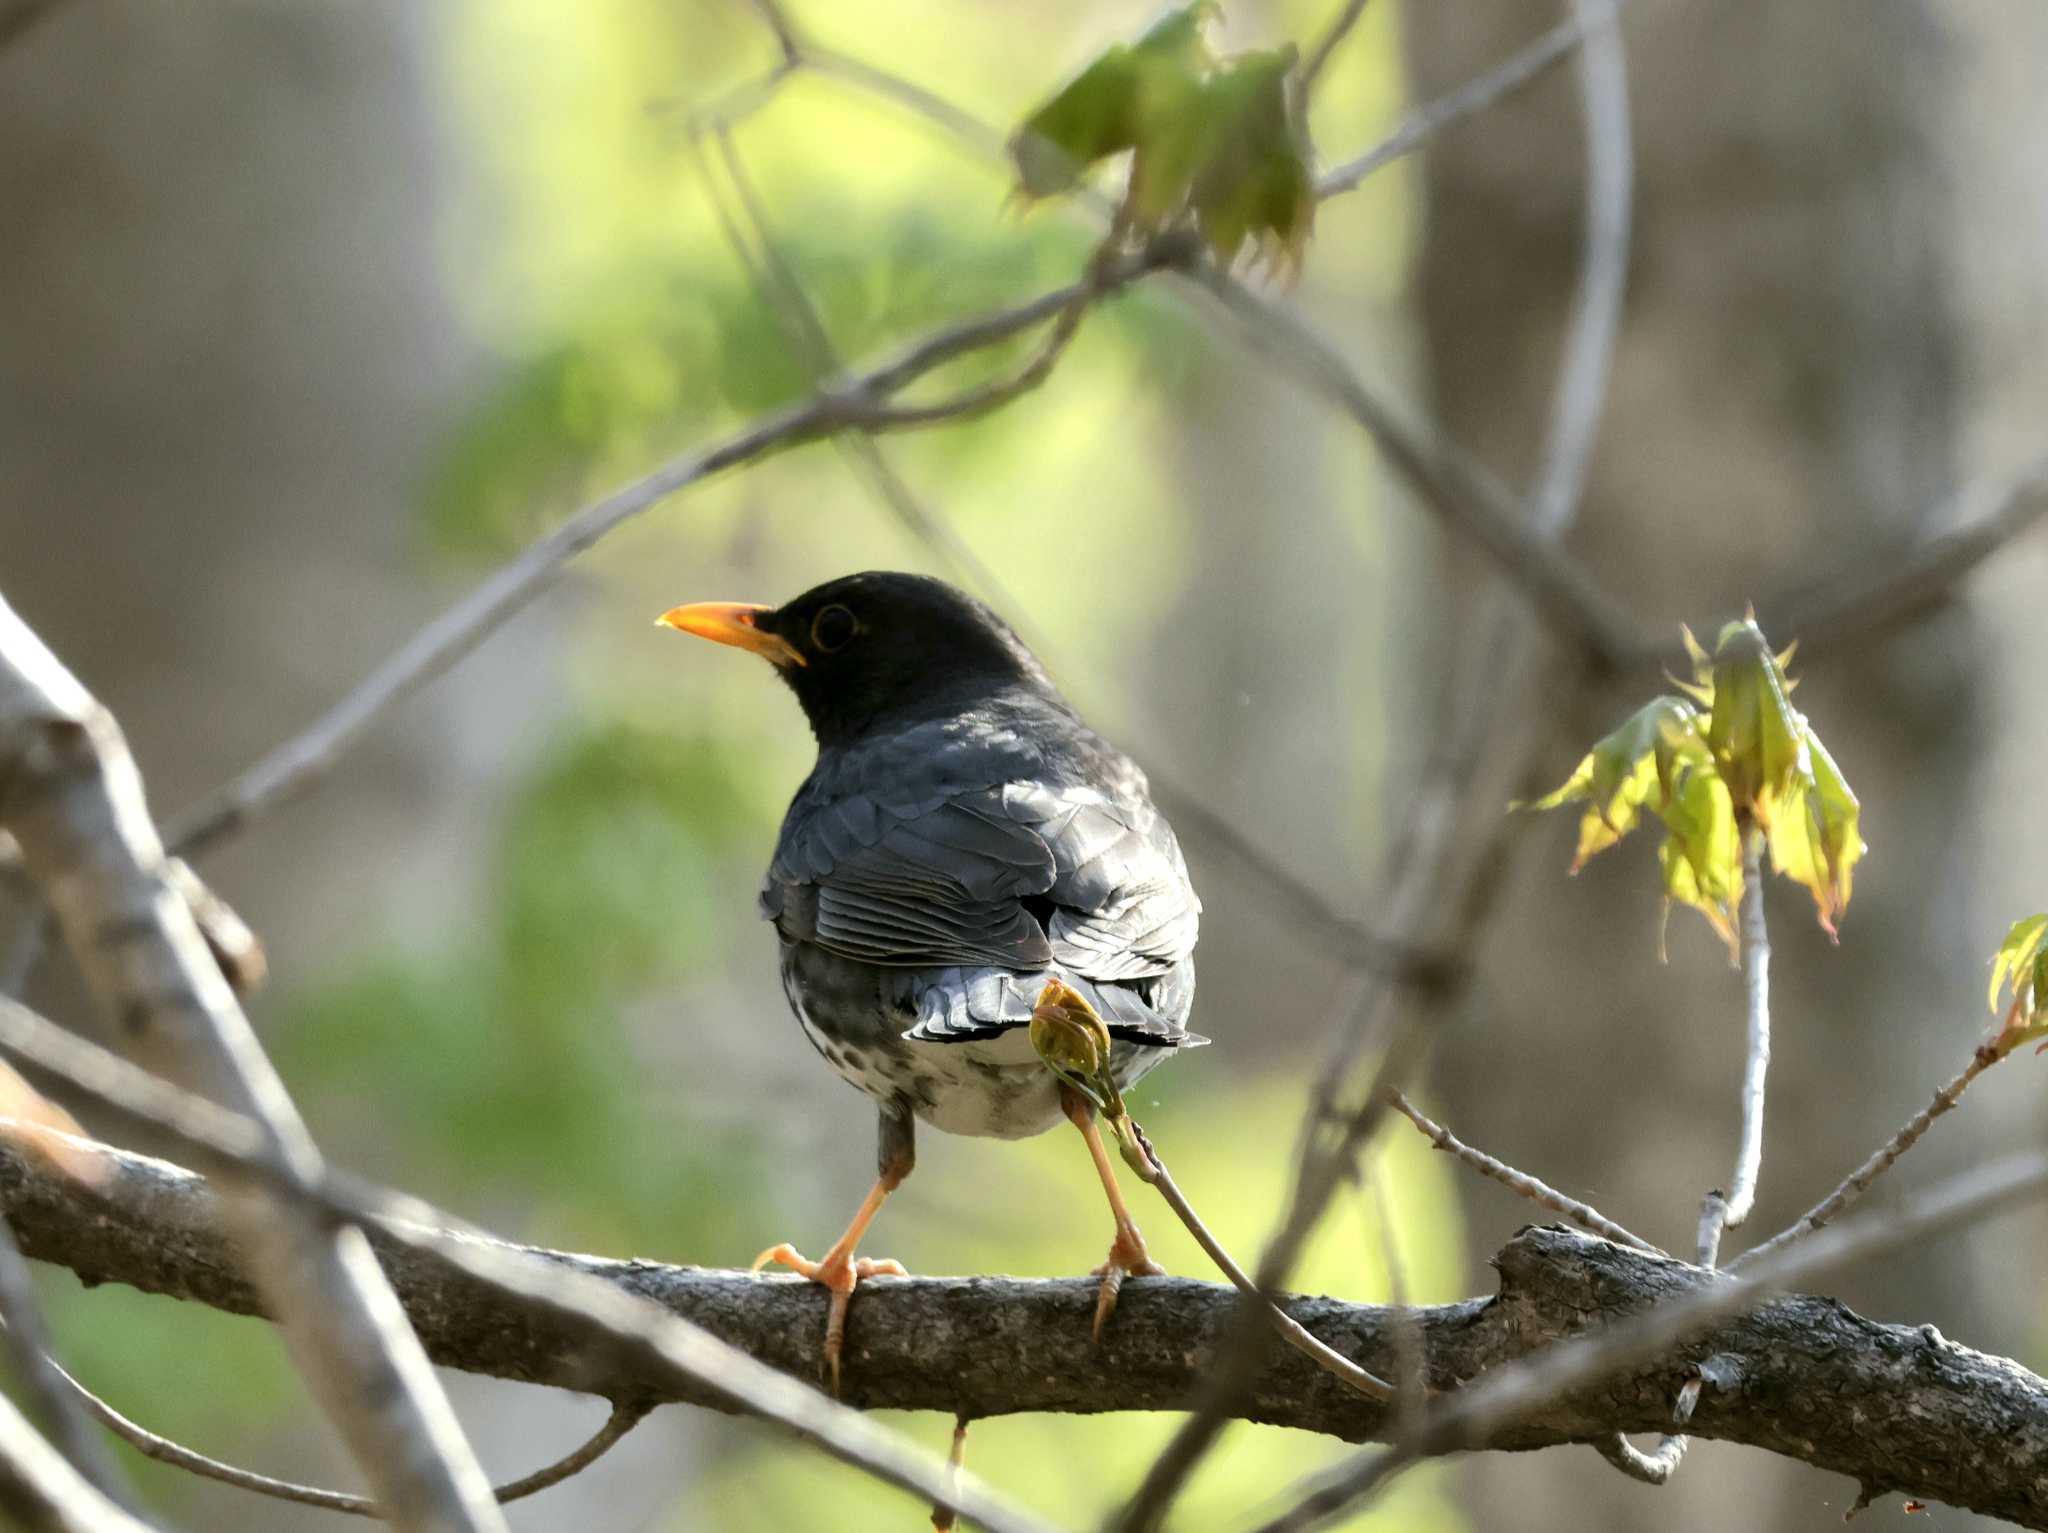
2020,970
1731,755
1218,139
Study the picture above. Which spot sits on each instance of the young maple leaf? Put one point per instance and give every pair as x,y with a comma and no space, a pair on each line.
2020,967
1216,141
1729,756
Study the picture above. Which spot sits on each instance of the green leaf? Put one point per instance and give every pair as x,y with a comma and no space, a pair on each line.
1628,771
1749,758
2022,963
1219,141
1757,737
1701,857
1104,109
1255,183
1814,839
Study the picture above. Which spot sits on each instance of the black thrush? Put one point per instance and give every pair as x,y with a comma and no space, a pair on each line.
963,843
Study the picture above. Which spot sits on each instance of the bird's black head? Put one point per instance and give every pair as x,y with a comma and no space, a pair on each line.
875,646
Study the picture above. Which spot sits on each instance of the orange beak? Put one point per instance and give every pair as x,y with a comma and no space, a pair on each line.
733,622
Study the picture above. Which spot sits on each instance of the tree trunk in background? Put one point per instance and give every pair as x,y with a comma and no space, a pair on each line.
1787,401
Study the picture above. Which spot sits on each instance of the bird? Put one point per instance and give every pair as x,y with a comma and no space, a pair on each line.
965,854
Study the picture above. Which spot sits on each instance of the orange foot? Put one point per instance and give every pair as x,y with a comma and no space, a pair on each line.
840,1273
1127,1256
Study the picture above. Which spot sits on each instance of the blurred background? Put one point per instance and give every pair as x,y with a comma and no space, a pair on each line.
310,313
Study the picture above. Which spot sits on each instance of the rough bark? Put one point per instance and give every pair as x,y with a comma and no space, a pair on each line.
1897,1407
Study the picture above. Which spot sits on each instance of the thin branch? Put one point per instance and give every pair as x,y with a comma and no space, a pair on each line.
1984,519
294,766
1724,1211
1584,1215
1431,904
1653,1468
163,1450
1926,1416
1519,71
655,1354
1460,490
1319,56
73,801
1881,1160
1292,1331
1595,321
40,1493
1475,1415
42,1381
777,21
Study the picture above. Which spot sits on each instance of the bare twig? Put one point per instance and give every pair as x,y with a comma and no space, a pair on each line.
1459,489
1858,1181
1985,518
295,765
1296,1335
42,1380
1582,1214
777,21
1468,100
163,1450
665,1352
1724,1211
1475,1414
1340,28
1430,905
40,1493
1720,1210
74,804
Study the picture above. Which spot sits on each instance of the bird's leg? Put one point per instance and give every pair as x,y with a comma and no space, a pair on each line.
1127,1253
839,1270
943,1519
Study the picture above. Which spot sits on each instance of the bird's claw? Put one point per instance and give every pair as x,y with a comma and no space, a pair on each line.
1127,1257
839,1275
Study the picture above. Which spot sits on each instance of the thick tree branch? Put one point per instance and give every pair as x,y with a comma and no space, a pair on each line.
1895,1406
618,1323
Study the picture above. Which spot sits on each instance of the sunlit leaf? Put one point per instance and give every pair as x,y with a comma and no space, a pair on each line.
1737,755
1701,857
1130,93
1218,140
1814,839
1758,739
2022,965
1627,771
1255,184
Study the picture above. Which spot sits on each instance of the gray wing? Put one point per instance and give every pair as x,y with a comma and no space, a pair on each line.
1019,877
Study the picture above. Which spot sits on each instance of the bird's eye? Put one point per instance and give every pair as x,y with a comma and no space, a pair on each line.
832,628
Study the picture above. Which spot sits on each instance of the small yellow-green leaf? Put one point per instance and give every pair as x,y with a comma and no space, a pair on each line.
2022,962
1702,855
1628,771
1814,838
1103,110
1254,181
1758,740
1217,141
